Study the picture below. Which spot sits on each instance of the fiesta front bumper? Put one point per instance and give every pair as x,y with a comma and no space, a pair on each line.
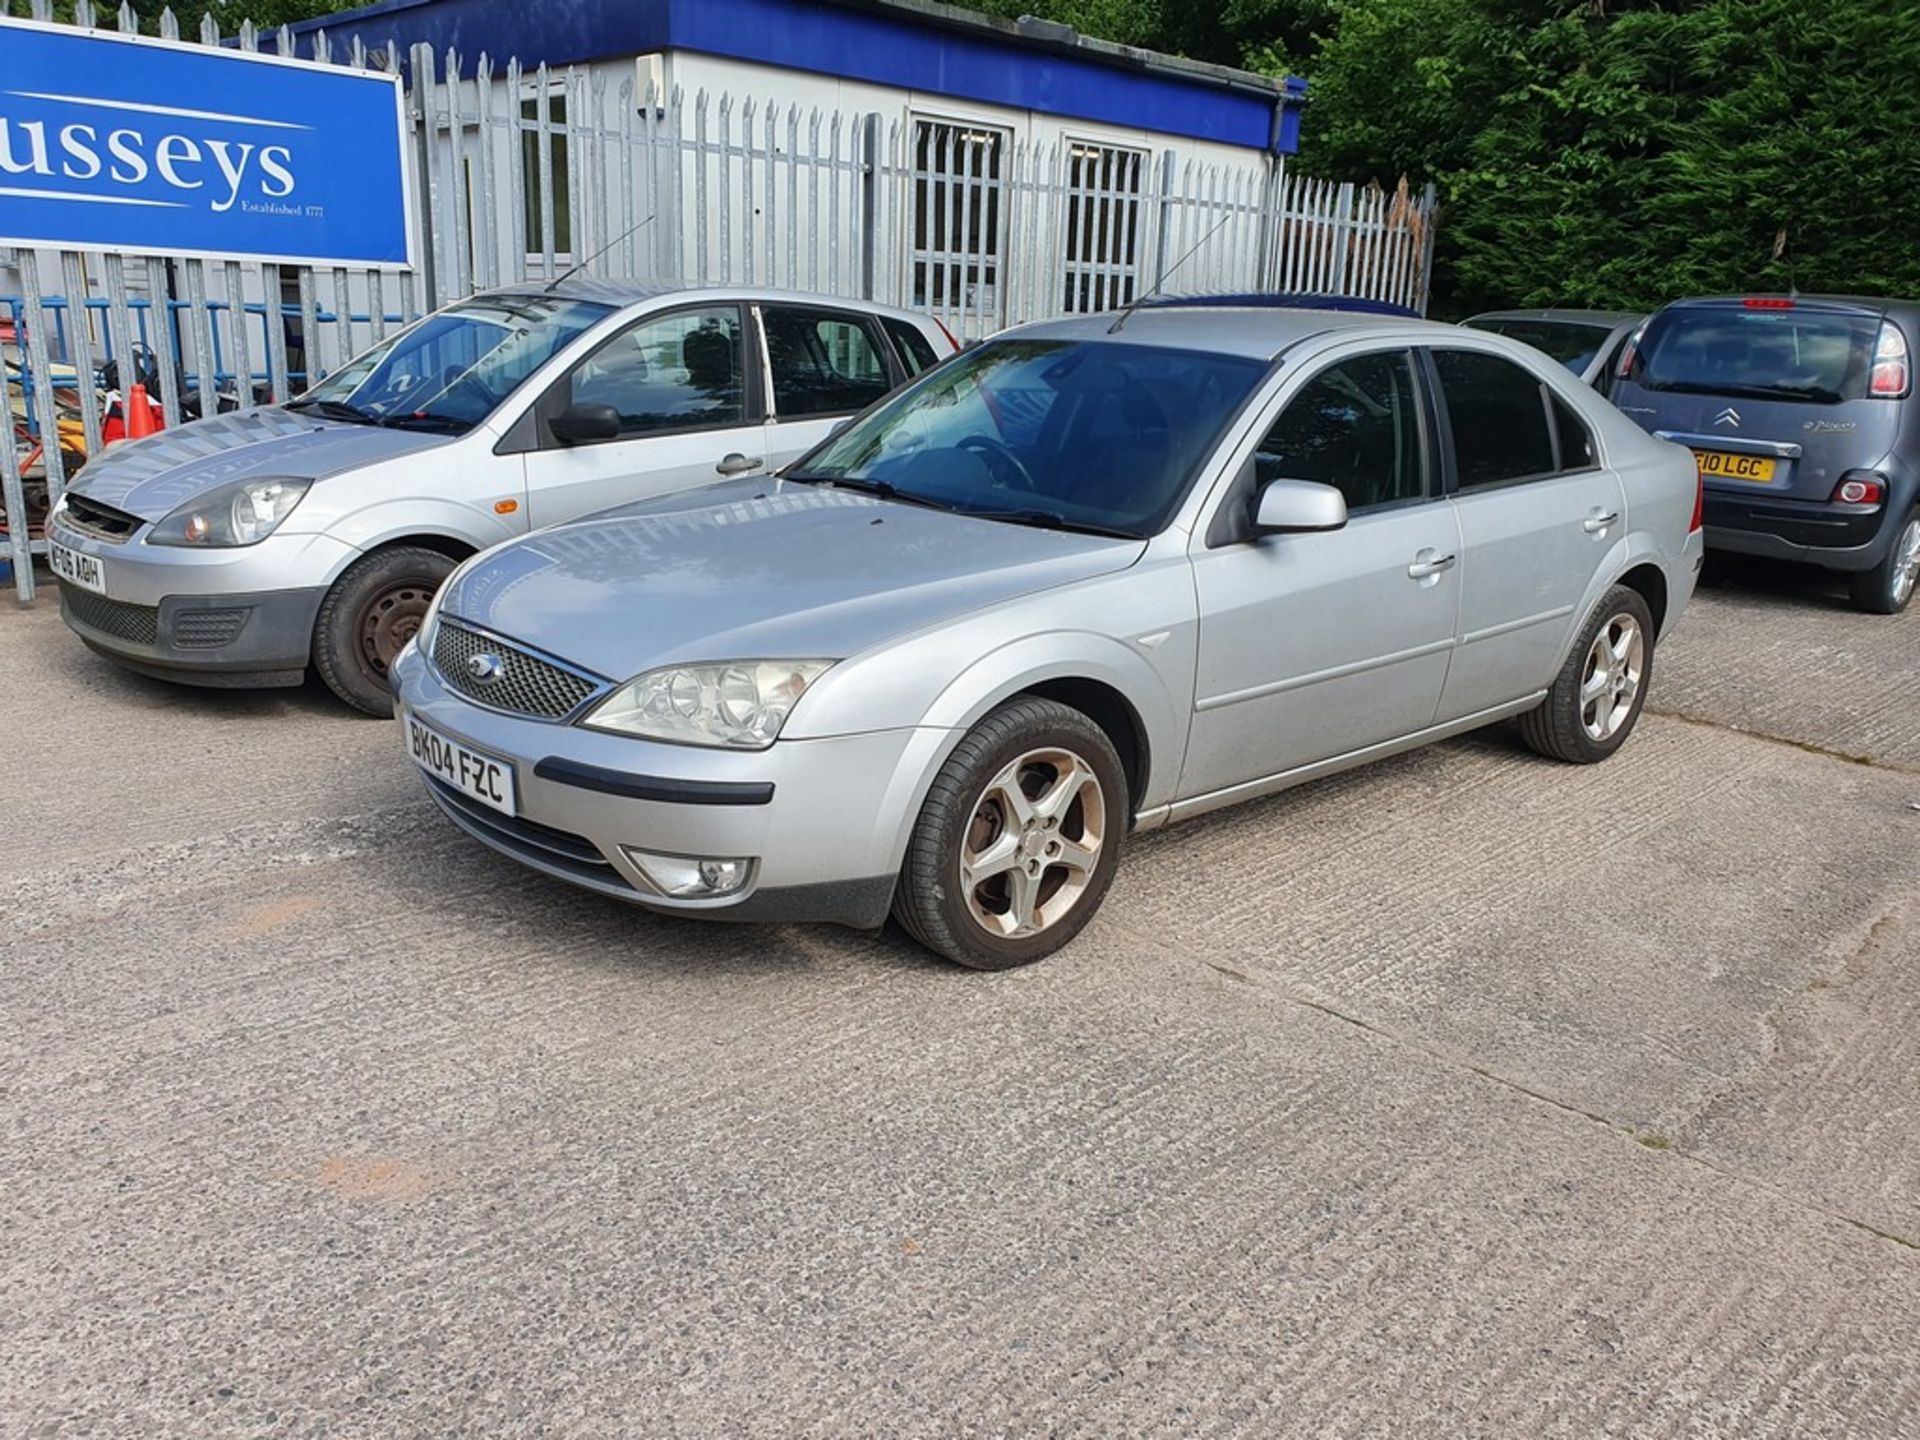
221,617
823,821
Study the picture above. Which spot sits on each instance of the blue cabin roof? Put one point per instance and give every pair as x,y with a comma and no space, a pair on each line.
914,45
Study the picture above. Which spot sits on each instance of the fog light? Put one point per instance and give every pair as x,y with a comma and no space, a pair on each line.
690,877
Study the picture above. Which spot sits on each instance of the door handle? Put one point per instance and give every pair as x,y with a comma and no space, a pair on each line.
1427,565
1599,521
738,464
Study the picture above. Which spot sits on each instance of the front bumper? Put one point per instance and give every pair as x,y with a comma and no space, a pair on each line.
239,617
823,820
1818,532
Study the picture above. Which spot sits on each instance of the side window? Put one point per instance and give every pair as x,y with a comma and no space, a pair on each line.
1355,426
1499,416
916,351
677,372
821,362
1576,441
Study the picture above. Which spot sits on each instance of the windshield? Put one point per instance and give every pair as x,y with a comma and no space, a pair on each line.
1570,342
1791,354
1081,435
451,369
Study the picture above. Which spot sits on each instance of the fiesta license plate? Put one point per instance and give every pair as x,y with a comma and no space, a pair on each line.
1722,465
480,777
77,569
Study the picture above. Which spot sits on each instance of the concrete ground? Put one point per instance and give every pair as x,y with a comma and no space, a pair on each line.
1464,1095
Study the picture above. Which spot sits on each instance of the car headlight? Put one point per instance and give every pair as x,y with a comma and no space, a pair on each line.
740,704
242,513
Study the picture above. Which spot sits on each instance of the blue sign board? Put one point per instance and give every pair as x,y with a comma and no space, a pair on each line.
112,142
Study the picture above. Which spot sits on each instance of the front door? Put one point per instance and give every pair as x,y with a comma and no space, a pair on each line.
1537,516
1315,645
687,394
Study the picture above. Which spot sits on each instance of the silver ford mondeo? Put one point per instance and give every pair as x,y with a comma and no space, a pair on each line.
1091,577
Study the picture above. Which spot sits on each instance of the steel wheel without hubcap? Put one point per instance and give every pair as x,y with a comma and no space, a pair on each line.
1611,683
1032,844
389,620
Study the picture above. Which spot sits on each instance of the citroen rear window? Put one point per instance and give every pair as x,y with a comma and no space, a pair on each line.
1787,354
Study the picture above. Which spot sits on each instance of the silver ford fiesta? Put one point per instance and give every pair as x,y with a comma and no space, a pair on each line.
1093,576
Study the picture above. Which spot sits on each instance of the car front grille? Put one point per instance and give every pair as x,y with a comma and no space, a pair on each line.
137,623
207,629
103,522
526,683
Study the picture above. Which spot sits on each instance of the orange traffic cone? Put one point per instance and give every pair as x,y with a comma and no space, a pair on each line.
139,411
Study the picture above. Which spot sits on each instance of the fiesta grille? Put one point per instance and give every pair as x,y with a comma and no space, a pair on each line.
137,623
207,629
525,684
103,522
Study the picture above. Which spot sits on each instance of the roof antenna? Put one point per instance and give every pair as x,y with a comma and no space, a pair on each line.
1166,275
579,265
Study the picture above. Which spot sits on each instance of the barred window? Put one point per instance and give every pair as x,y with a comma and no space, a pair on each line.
1103,227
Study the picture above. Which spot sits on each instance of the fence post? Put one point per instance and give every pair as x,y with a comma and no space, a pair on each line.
1169,172
419,102
869,203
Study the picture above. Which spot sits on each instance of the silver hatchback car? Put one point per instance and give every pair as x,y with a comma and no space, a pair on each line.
240,549
1092,576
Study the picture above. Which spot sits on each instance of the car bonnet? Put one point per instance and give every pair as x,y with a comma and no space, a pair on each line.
151,478
759,571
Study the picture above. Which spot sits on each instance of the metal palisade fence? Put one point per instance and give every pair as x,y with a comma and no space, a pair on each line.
521,173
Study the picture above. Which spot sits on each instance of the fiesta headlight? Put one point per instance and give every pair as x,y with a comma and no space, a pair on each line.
244,512
740,705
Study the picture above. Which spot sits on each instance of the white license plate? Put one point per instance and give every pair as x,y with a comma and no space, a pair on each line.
77,569
482,777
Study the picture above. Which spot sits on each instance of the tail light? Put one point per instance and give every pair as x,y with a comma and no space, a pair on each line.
1861,487
1629,353
1699,521
946,332
1892,378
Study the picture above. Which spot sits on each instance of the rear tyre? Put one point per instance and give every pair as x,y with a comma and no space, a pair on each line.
1888,588
368,615
1018,840
1597,696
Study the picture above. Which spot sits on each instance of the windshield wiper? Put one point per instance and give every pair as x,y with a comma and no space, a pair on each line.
1748,392
884,489
336,410
1050,520
423,420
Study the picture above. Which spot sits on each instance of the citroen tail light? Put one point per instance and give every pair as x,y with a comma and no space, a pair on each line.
1892,376
1861,487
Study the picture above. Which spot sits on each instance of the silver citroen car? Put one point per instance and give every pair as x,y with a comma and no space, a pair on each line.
1093,576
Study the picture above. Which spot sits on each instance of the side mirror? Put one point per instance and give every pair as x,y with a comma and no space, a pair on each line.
1290,506
582,424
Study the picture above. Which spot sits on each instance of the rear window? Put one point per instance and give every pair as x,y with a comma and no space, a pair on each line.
1573,344
1797,354
916,351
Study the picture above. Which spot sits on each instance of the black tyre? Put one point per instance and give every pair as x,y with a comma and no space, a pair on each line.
1888,588
368,615
1018,840
1597,697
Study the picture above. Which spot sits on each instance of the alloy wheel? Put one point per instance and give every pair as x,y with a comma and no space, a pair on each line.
1611,683
1906,563
1032,843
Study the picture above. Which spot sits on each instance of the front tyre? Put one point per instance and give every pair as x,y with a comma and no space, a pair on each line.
369,614
1599,692
1018,840
1888,588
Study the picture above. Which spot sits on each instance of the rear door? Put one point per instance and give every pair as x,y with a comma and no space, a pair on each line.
1771,395
689,409
1537,516
823,364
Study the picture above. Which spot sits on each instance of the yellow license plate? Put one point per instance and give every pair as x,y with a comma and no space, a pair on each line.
1721,465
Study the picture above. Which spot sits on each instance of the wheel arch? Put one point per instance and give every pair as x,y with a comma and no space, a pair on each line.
1649,581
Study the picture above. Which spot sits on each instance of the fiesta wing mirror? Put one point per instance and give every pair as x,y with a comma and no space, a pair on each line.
1288,507
582,424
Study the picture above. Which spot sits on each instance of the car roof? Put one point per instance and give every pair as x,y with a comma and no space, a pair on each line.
1255,332
1608,318
1290,301
1878,304
622,292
